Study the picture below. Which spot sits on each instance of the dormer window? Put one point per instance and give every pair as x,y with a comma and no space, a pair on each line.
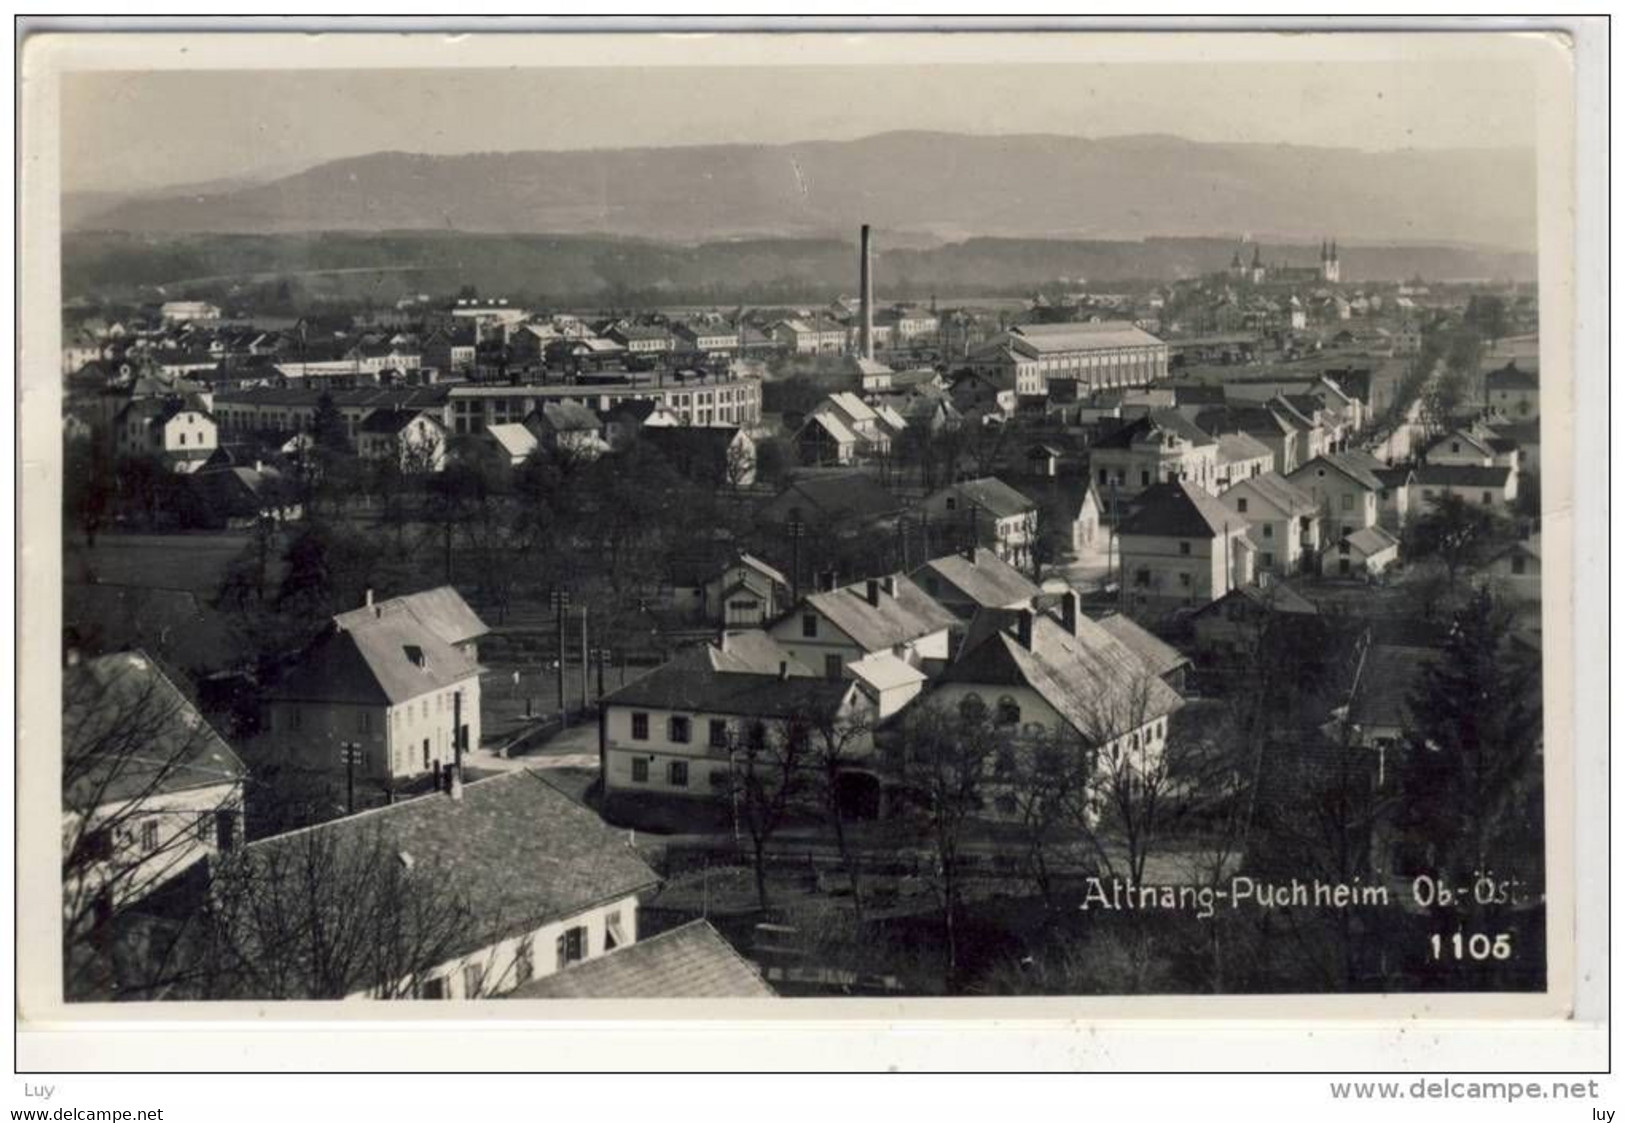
415,656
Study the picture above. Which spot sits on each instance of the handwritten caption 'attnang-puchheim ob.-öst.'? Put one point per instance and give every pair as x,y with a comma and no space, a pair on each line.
1204,901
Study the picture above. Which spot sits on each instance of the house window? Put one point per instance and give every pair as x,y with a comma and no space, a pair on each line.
640,727
1009,711
473,981
809,625
952,503
677,773
1269,530
435,988
640,771
1142,577
614,932
1184,580
524,960
1518,565
1486,498
572,945
366,721
678,729
719,734
99,845
1145,479
1241,506
832,667
149,835
1269,561
425,752
1348,502
203,828
1103,475
1185,549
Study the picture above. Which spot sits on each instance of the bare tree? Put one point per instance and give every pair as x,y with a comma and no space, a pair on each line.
947,759
148,789
769,778
839,741
323,914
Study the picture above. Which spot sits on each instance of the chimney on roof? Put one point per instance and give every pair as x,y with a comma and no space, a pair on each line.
1024,628
1069,611
722,641
888,585
872,591
369,598
866,296
826,581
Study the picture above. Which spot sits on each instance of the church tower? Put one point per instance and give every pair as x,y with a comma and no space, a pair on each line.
1258,272
1330,270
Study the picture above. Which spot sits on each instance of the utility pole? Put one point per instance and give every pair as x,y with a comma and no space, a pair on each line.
351,751
585,699
795,527
561,603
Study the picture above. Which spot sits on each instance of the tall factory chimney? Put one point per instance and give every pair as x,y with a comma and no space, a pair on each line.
866,297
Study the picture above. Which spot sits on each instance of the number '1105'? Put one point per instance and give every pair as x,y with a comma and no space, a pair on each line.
1477,946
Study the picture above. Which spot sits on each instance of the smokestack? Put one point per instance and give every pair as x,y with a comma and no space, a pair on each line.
1069,612
866,296
1024,628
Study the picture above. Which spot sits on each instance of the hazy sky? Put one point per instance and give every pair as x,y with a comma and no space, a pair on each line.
134,131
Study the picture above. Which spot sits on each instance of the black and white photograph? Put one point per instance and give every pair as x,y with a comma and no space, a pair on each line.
969,528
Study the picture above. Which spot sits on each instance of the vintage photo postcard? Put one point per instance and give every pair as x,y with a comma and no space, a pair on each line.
783,526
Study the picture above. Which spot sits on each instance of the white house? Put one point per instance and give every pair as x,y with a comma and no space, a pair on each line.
544,882
396,680
675,730
413,439
1003,518
1061,678
150,788
881,615
1181,549
1283,522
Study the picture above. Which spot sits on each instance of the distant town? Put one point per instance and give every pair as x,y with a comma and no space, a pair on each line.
459,647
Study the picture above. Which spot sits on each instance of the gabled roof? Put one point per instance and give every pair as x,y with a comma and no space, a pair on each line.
751,651
885,671
689,682
989,493
389,422
1081,336
442,610
1369,540
112,701
1159,658
1462,475
1275,598
760,566
833,496
1092,679
831,424
1130,433
1510,377
900,617
1277,492
375,657
1530,546
1179,509
1237,447
689,961
515,440
989,581
568,416
1360,469
1387,679
514,849
1481,446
